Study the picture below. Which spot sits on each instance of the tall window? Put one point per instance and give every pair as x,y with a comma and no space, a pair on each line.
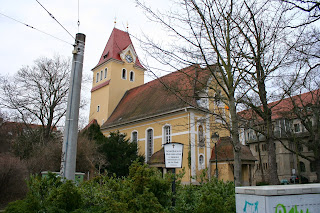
134,136
167,134
201,160
97,79
105,72
131,76
149,144
98,108
200,136
101,75
296,127
124,74
302,167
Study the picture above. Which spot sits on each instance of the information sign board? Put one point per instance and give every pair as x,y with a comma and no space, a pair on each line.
173,155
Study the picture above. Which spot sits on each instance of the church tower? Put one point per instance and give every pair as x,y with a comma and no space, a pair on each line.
118,70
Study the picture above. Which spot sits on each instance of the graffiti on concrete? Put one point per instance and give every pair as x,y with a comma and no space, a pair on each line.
280,208
251,207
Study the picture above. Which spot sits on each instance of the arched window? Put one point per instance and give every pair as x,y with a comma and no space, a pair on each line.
97,78
166,134
201,160
200,136
134,136
302,167
149,144
124,74
105,72
131,76
98,108
101,75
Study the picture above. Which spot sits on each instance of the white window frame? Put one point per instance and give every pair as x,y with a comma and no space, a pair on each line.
124,71
149,147
101,72
135,131
167,136
201,161
97,77
105,72
201,141
131,77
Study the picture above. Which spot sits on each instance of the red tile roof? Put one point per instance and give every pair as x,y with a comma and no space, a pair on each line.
100,85
162,95
285,107
18,127
94,121
118,41
225,151
157,158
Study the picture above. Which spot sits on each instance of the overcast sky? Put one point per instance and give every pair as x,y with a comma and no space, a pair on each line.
21,45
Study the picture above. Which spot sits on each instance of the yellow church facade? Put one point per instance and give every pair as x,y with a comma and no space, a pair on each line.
173,108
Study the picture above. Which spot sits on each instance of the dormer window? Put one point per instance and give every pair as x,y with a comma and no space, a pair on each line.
106,55
131,76
124,74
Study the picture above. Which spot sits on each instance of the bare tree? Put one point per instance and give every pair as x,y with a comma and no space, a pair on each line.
309,9
204,33
264,29
38,94
304,102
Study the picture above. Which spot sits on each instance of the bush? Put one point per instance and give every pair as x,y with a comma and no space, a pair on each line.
144,190
48,195
13,173
212,196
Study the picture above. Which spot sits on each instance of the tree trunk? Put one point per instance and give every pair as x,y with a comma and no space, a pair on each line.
273,173
236,143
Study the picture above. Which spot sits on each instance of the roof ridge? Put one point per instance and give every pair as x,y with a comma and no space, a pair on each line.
164,76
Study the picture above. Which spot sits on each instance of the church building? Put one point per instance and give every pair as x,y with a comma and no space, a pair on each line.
172,108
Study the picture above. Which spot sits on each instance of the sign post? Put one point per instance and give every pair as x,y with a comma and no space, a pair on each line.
173,153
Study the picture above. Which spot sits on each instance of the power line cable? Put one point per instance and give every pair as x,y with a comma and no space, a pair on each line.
35,28
55,19
78,15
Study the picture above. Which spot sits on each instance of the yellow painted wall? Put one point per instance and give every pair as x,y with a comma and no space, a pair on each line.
109,96
182,129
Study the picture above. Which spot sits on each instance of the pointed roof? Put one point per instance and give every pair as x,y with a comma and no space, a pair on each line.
119,40
225,151
174,91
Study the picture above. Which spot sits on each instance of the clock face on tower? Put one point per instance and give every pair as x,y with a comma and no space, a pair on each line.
129,58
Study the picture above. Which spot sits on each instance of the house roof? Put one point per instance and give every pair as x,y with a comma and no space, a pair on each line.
285,106
171,92
225,151
118,41
157,158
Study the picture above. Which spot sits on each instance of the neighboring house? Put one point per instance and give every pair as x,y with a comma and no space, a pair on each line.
288,132
173,108
224,159
10,130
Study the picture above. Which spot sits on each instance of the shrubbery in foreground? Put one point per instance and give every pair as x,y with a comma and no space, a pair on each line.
144,190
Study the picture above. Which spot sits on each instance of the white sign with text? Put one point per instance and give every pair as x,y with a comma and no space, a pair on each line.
173,155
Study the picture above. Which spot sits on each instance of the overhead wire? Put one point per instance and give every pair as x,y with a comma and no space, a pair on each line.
55,19
78,15
35,28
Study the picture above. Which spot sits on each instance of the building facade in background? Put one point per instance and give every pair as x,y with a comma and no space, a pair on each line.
172,108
